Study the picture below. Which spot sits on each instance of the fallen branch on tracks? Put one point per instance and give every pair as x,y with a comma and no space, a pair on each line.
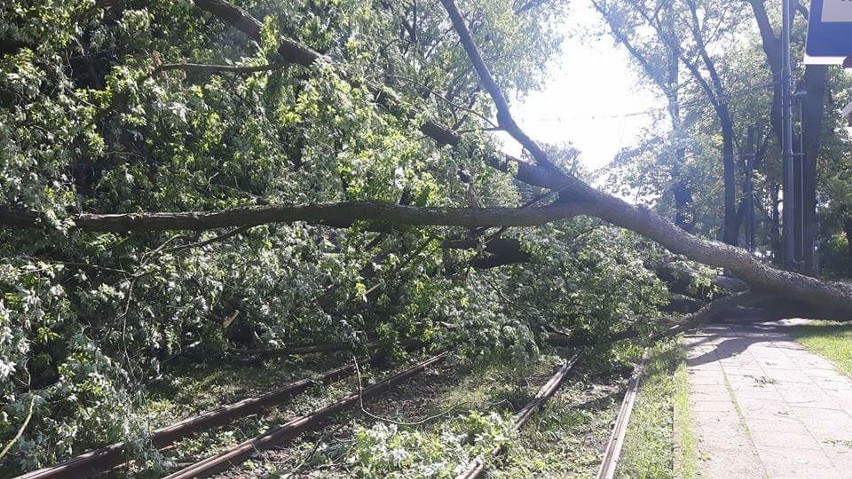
827,299
299,350
708,313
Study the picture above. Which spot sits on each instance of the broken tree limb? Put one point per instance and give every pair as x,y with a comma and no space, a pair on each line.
206,68
833,298
298,350
708,313
290,51
341,215
838,296
504,114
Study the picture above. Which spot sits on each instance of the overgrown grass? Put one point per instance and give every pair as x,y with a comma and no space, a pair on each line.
685,440
471,408
829,339
651,448
567,438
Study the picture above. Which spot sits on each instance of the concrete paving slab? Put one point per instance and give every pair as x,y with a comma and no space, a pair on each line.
763,406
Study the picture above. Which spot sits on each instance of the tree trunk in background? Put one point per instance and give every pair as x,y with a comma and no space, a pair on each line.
847,229
775,227
684,217
730,230
813,106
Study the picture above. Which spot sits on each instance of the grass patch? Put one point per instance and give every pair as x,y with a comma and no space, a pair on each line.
652,449
828,339
568,436
685,440
472,409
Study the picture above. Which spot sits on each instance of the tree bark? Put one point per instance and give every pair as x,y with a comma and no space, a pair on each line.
813,105
833,298
730,230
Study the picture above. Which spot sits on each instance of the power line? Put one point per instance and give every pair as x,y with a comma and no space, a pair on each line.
687,104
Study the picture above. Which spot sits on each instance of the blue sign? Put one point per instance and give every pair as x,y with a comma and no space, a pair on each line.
830,29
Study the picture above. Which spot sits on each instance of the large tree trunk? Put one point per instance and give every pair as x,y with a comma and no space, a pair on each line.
682,192
813,105
730,230
847,230
775,226
833,299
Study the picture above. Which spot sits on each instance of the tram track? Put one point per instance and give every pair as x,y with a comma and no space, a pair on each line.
237,454
109,459
619,430
477,467
106,458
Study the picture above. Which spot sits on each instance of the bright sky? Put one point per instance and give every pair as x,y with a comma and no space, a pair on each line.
590,89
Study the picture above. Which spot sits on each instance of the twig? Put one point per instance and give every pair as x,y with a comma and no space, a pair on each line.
217,68
398,423
504,115
199,244
21,430
74,263
448,101
314,450
146,257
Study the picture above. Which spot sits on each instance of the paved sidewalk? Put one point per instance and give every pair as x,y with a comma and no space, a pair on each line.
763,406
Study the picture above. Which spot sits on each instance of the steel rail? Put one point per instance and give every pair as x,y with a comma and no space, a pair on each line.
295,426
619,430
94,462
477,467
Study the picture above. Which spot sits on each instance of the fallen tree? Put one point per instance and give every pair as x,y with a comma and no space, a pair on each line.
828,299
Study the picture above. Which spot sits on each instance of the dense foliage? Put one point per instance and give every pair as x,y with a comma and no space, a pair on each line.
113,106
91,121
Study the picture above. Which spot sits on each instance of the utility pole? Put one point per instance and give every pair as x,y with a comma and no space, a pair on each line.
788,240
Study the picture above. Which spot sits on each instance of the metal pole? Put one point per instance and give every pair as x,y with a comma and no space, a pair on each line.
749,188
788,244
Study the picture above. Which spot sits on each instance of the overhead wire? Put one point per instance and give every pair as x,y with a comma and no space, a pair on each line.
686,104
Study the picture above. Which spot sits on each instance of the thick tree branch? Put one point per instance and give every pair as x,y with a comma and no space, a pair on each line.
333,214
525,172
290,51
205,68
504,115
695,26
710,312
588,201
